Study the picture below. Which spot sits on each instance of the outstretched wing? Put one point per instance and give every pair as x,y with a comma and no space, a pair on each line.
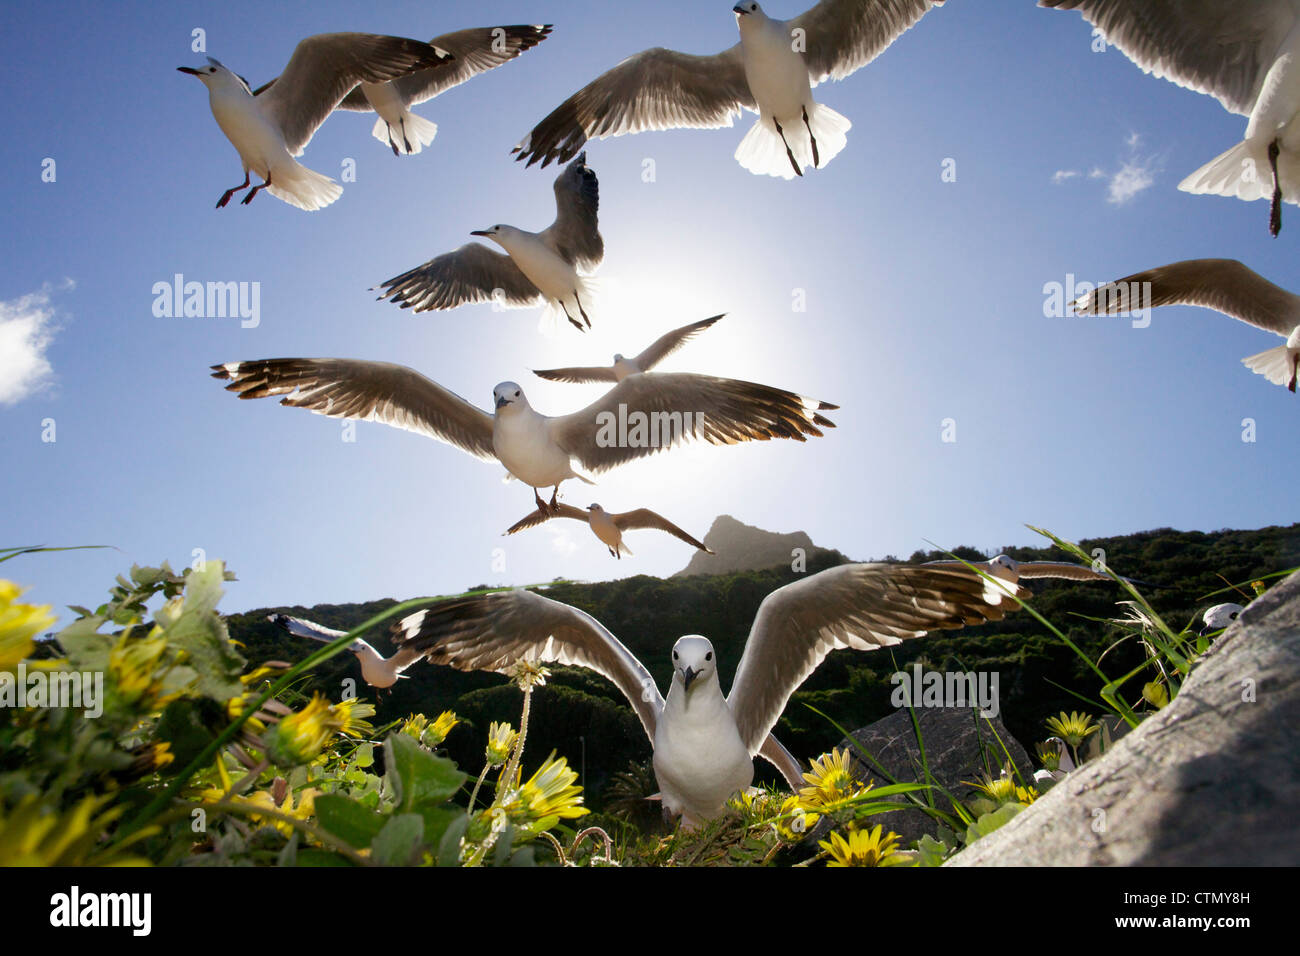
366,391
645,518
653,89
677,407
670,342
860,606
491,632
472,273
575,234
841,36
541,517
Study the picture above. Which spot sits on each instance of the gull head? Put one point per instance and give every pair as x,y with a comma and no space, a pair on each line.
1220,616
1004,567
595,509
217,77
500,234
693,658
745,8
508,397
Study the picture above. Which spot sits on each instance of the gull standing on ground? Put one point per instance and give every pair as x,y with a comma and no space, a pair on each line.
474,51
659,350
607,526
271,126
1224,285
376,670
538,267
537,449
771,71
1245,55
704,743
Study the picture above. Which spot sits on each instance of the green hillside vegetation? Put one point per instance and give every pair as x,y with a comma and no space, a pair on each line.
584,718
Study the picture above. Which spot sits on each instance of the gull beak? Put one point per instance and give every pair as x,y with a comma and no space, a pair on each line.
688,677
190,71
502,402
480,232
738,10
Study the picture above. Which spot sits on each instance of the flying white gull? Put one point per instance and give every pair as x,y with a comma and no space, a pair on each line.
272,125
1224,285
704,743
376,670
771,71
638,417
1245,55
1011,571
475,51
607,526
538,267
659,350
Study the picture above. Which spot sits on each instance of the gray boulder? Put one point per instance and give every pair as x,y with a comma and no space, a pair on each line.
1211,780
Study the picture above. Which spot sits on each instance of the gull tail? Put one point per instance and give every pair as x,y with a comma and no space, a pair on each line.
415,131
575,311
302,187
1277,365
763,151
1244,172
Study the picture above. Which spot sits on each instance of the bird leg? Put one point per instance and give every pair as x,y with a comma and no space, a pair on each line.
816,159
554,507
615,554
225,197
576,324
253,192
406,139
392,142
1295,368
541,505
789,152
1275,212
581,310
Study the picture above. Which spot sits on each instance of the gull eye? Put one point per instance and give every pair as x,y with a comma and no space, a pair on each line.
709,656
516,393
674,655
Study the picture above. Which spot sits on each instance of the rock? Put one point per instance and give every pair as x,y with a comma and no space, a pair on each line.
956,741
741,547
1213,779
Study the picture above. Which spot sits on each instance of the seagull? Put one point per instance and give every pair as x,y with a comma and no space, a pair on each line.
375,669
1224,285
704,743
608,527
538,267
474,51
1011,571
770,72
272,125
1242,54
641,415
659,350
1220,616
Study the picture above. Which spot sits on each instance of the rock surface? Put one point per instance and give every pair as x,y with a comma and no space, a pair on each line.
1211,780
742,547
956,742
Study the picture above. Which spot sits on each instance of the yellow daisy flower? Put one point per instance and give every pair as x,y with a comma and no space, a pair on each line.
862,847
19,624
548,793
794,821
300,737
831,781
1072,727
501,741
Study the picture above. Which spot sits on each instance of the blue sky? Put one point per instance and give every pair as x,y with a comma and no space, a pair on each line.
924,302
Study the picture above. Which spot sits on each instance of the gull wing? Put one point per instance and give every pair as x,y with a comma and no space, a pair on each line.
670,342
472,273
541,517
575,236
842,36
645,518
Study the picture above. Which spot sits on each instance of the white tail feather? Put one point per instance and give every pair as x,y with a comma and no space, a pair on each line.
419,132
763,152
1277,365
554,320
303,187
1244,172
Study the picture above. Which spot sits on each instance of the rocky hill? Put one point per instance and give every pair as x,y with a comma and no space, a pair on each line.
742,547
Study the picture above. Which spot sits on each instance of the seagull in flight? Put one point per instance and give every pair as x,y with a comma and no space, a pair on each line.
704,743
1009,570
538,267
1224,285
638,417
771,71
1245,55
607,526
275,123
659,350
473,51
376,670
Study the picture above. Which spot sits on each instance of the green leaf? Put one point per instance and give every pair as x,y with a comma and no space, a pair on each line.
365,756
310,856
418,777
289,855
992,821
348,820
449,845
397,843
184,724
437,820
201,633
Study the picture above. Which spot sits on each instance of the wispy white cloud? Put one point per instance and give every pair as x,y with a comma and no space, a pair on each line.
27,328
562,542
1136,173
1061,175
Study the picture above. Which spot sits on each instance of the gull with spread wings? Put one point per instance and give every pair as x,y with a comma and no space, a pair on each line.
662,410
607,526
656,352
547,267
705,743
1245,55
1224,285
274,124
771,71
474,51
